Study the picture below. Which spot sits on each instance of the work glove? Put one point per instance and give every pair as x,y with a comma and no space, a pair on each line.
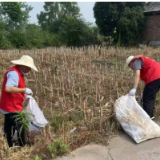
132,92
28,91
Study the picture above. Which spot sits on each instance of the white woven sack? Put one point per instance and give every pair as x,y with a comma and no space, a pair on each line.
134,120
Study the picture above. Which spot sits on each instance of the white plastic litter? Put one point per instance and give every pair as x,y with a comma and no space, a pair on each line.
134,120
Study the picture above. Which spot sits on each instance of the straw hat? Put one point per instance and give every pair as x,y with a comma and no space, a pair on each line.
25,60
128,60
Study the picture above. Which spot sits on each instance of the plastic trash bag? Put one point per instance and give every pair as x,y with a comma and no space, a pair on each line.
36,122
134,120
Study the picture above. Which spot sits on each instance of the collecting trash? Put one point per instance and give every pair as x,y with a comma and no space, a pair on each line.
36,120
147,70
134,120
13,93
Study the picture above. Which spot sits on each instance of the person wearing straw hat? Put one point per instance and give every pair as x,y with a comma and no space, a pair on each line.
148,70
13,94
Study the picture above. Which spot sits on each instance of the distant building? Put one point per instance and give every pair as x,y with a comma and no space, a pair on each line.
150,35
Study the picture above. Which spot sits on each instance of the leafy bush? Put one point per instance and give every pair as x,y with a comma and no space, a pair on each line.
58,148
4,42
22,118
57,121
37,158
74,31
17,38
34,36
51,39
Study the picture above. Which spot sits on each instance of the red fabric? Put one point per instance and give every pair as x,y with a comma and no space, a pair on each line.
12,102
150,70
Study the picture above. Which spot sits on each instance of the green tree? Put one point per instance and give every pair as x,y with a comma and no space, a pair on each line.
129,26
74,31
17,38
109,17
2,31
94,36
55,12
38,38
34,35
14,14
25,8
4,42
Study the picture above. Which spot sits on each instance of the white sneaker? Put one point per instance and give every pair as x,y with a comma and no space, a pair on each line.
153,118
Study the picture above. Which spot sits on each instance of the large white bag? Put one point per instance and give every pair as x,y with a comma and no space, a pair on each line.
38,121
134,120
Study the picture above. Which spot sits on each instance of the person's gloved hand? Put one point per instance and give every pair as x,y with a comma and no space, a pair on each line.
132,92
28,91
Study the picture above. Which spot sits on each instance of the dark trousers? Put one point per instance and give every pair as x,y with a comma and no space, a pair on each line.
10,125
149,96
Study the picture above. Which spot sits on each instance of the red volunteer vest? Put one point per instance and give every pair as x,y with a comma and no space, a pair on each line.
150,70
12,102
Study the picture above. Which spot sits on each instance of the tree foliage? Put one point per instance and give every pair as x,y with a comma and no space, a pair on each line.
123,19
60,24
4,42
55,13
73,31
14,14
130,25
17,38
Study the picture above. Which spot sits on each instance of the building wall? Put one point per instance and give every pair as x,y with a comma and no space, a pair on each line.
151,31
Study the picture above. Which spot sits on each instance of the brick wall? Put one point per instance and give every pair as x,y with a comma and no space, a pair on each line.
151,31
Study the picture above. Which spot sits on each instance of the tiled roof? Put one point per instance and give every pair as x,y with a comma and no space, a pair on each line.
152,7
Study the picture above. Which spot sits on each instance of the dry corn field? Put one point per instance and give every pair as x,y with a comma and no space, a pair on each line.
76,90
